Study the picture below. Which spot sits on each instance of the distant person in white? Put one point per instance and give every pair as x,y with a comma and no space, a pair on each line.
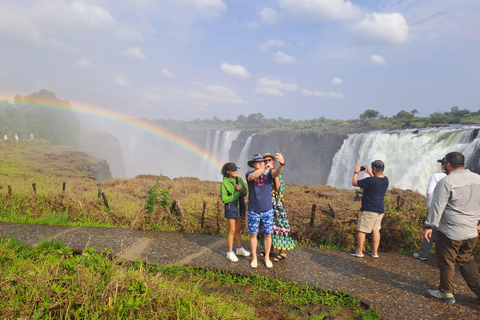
16,138
427,245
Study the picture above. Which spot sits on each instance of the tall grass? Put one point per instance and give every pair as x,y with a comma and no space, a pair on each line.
144,202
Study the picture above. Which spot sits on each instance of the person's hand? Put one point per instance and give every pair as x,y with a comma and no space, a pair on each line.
279,158
238,187
356,168
427,234
367,169
478,227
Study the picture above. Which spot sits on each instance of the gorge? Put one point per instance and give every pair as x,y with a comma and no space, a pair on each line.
312,156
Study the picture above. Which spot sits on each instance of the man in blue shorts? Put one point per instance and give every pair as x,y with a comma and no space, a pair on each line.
372,210
260,208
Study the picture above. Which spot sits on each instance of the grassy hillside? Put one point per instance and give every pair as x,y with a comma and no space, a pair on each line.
158,203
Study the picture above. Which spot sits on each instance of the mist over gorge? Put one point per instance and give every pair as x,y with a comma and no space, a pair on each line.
312,156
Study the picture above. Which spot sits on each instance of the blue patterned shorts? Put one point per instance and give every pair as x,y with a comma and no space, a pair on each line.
254,219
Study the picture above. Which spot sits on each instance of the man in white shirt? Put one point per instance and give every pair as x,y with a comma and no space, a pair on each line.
427,245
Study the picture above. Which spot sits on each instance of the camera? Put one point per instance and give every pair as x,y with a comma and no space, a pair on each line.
363,168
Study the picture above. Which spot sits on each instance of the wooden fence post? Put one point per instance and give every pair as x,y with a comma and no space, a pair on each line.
9,190
63,187
312,216
332,212
105,200
218,216
34,185
99,193
203,213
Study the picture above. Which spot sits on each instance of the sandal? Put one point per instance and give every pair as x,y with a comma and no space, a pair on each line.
280,257
262,254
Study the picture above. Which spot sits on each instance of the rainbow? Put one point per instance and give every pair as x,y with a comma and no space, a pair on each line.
143,125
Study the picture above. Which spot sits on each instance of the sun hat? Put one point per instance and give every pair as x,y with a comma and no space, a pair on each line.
269,155
257,157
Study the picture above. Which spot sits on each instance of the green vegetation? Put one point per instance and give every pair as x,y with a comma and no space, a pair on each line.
42,114
370,119
51,282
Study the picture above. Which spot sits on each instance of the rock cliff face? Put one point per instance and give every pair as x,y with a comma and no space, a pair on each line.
106,146
308,154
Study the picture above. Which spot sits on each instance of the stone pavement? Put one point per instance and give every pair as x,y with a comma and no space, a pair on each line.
394,284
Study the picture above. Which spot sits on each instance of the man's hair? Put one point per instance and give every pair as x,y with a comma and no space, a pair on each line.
378,164
456,159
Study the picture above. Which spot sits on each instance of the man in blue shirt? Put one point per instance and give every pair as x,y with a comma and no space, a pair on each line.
260,208
372,210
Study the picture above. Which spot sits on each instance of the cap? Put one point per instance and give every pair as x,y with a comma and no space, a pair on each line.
232,167
441,160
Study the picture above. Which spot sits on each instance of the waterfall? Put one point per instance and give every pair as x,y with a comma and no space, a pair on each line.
219,149
410,156
244,157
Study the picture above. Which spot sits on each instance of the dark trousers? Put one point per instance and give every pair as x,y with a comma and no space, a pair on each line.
450,252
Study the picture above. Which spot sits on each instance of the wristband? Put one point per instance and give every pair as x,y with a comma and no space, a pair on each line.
355,172
283,164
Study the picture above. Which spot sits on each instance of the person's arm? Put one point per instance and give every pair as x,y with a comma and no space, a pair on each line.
255,174
439,202
227,193
430,189
356,172
279,168
243,191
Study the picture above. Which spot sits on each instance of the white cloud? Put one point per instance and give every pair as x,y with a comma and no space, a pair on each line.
271,43
134,52
283,58
215,94
321,10
206,8
269,16
379,60
391,28
269,92
121,79
274,87
85,63
323,94
167,74
337,81
236,70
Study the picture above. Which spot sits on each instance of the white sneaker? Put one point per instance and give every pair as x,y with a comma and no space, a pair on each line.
242,252
231,256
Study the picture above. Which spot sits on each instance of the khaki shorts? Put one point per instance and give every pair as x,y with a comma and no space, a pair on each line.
369,221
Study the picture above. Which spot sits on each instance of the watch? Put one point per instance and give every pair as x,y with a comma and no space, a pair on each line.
355,172
283,164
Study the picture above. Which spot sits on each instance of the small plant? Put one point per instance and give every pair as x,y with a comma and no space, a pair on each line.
157,196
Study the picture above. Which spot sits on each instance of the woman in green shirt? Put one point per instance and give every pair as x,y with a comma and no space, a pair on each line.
232,193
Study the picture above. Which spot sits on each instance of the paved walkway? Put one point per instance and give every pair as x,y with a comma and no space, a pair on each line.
395,284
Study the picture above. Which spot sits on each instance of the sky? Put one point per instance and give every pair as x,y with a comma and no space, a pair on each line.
199,59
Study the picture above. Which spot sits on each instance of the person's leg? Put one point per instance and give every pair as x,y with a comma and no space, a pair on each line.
468,266
267,228
231,233
446,257
268,246
238,228
427,246
376,234
360,241
253,224
253,246
375,242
